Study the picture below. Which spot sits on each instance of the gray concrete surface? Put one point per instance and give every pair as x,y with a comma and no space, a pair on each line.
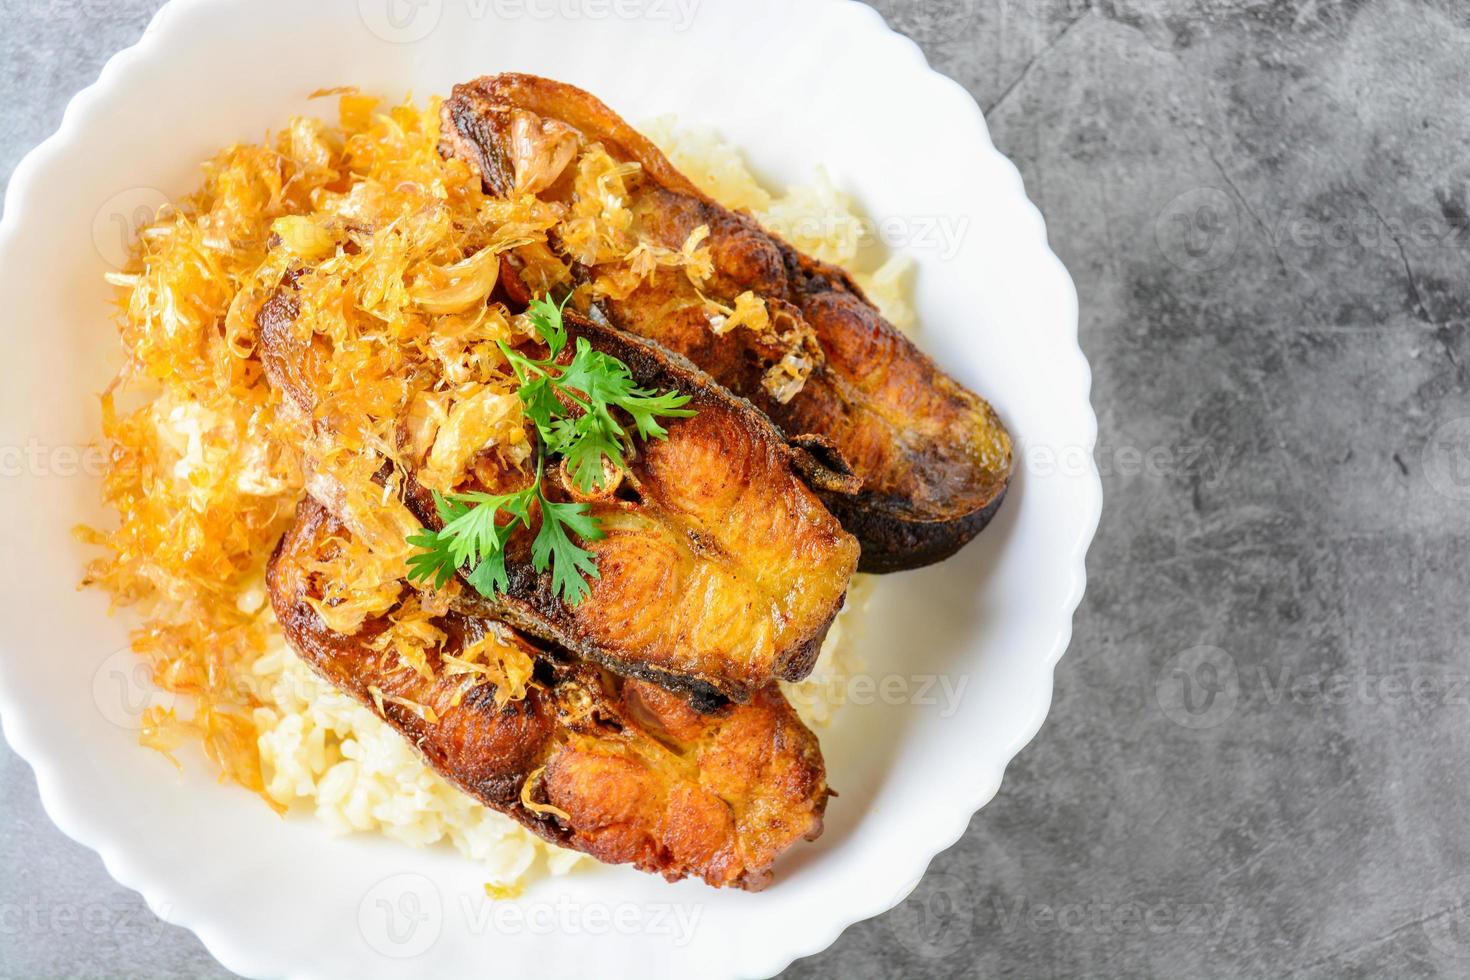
1256,764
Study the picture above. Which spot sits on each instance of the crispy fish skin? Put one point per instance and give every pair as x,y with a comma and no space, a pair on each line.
641,777
934,458
720,571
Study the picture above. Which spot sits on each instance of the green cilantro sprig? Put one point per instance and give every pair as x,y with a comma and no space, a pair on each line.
593,383
475,535
572,408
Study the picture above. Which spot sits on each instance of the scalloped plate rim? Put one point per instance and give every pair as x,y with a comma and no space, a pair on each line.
212,933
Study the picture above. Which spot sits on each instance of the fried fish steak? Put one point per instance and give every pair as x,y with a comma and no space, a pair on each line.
934,458
619,769
720,570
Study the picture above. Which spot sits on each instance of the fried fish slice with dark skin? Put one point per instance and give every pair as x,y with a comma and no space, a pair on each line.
934,458
720,570
621,770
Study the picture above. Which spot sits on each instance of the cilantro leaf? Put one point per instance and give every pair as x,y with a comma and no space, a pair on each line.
433,563
607,383
475,532
472,535
646,407
570,564
490,577
584,443
541,405
475,536
546,317
600,377
573,408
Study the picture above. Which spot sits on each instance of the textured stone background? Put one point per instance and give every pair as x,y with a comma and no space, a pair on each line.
1256,764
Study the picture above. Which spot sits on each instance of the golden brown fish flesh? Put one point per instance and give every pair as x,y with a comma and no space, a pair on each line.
720,570
622,770
811,352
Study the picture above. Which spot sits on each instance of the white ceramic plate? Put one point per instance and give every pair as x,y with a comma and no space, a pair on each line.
797,85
